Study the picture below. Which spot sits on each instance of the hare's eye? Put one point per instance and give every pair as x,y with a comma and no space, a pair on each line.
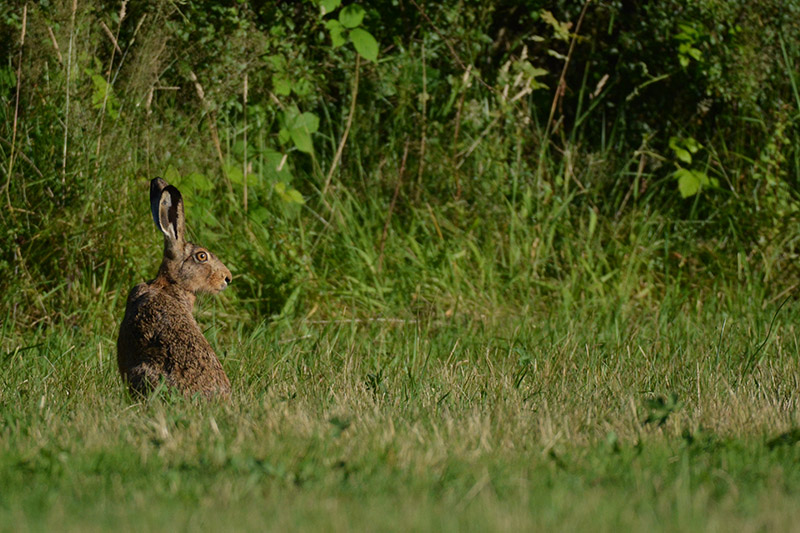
201,256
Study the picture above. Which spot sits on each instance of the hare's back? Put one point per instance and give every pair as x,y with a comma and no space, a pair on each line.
166,339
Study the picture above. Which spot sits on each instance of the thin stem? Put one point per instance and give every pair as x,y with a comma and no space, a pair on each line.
343,140
244,164
69,76
115,41
424,133
391,206
561,88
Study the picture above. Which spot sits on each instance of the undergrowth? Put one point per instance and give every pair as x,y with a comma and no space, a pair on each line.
452,183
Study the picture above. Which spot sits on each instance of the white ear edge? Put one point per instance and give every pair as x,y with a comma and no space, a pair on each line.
169,229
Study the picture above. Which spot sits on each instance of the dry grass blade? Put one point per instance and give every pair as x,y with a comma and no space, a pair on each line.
212,126
385,232
347,126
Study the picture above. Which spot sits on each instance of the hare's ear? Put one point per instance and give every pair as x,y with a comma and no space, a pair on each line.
156,186
166,205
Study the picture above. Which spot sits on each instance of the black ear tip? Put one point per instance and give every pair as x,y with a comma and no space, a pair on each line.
156,186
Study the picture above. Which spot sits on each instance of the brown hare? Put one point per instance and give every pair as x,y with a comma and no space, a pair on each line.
159,338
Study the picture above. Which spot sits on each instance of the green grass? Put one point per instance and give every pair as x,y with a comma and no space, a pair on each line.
451,424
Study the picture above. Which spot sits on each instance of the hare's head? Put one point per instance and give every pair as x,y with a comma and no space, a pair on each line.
191,267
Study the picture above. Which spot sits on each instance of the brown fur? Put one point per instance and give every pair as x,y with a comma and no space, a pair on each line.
159,338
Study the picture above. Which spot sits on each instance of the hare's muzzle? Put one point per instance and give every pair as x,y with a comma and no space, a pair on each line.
226,276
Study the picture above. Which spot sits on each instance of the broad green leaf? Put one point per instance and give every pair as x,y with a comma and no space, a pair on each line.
351,16
288,194
301,129
259,214
277,62
103,94
673,142
704,180
336,30
308,121
234,173
365,44
302,87
677,146
172,176
289,116
302,140
295,196
530,70
688,184
198,181
281,85
687,32
692,145
328,6
691,181
682,155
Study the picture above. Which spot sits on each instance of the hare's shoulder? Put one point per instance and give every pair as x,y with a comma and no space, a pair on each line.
156,309
146,296
137,292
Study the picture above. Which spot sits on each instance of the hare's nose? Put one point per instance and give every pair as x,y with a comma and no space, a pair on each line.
228,280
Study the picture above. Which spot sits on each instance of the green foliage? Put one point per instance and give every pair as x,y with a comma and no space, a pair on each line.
466,178
348,28
365,44
288,195
684,149
329,6
690,181
688,38
103,97
298,128
351,16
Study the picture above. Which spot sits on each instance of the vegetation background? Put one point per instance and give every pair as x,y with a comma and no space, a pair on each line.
497,264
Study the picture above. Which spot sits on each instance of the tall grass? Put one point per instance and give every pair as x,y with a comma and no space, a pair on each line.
469,202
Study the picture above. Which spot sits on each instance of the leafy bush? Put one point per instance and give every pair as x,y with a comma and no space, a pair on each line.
495,153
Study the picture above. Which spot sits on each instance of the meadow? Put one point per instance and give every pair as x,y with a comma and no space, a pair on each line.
652,424
496,265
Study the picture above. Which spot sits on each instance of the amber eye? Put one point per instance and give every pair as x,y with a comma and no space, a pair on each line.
201,257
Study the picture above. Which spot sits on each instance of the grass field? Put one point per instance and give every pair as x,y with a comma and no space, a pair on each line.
667,422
